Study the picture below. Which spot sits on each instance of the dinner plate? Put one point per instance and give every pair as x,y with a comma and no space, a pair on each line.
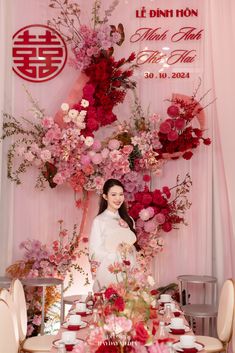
82,325
177,346
74,343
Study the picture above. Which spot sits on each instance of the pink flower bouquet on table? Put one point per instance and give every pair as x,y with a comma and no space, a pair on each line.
123,323
47,260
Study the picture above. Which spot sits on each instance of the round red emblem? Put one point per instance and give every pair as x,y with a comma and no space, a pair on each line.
39,53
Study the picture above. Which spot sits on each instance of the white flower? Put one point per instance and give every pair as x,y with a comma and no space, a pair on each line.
67,119
89,141
64,107
73,113
80,118
150,280
83,113
81,126
84,103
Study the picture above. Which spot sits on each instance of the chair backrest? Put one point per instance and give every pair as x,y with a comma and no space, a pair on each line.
225,311
18,296
8,342
6,296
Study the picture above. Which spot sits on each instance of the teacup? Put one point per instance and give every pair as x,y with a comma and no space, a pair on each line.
81,307
74,320
172,306
165,298
187,341
177,323
68,337
83,298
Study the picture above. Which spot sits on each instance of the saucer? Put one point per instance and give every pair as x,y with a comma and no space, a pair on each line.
82,313
74,343
82,325
197,345
185,328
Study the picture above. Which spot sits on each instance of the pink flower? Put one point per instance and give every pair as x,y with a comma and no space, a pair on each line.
96,146
160,218
115,156
122,223
150,226
144,214
117,324
45,155
85,159
127,149
47,122
116,267
105,153
30,329
58,179
95,338
99,182
114,144
37,320
97,158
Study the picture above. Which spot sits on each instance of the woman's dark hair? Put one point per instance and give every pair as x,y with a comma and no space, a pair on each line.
122,210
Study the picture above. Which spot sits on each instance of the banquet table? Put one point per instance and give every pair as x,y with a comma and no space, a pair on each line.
83,333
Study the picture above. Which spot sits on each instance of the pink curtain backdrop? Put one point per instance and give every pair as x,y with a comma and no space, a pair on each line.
206,245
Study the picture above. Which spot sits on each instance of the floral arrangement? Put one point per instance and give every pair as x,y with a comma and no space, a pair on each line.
123,323
108,80
158,211
47,260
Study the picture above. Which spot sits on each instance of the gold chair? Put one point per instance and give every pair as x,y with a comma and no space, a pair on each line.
224,321
8,341
31,344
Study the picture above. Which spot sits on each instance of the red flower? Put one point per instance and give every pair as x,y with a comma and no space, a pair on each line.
141,333
135,210
187,155
146,178
167,226
147,199
166,191
92,124
207,141
165,127
154,292
119,304
173,111
126,262
109,292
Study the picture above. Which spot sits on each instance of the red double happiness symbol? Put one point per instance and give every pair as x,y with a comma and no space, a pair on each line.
39,53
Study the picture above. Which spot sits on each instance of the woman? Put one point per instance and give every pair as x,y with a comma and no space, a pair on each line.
112,234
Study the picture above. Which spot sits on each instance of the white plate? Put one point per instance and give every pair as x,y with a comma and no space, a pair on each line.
75,342
177,346
185,328
82,325
75,311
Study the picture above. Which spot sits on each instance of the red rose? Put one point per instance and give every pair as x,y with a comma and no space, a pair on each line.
167,226
147,199
109,292
207,141
173,135
135,210
173,111
146,178
119,304
126,262
141,333
165,127
166,191
198,132
187,155
180,124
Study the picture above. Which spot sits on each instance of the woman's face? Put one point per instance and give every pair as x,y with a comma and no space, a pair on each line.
115,198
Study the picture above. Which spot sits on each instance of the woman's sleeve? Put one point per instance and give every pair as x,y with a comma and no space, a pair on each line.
97,252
